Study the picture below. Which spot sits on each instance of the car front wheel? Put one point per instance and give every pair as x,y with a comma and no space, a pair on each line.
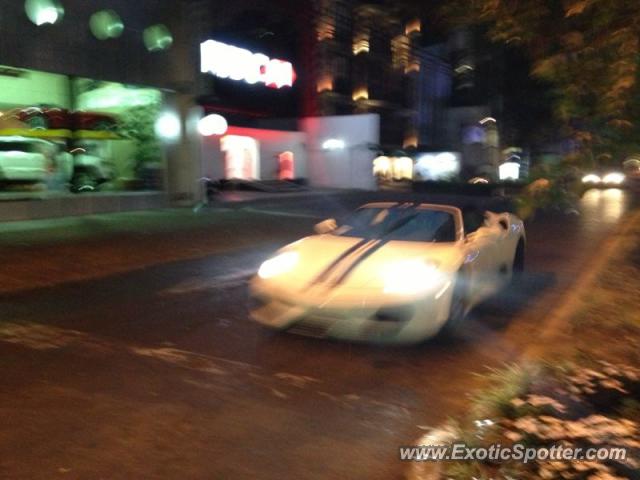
458,309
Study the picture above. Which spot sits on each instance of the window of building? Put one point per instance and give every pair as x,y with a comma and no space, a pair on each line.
360,93
91,135
400,52
361,42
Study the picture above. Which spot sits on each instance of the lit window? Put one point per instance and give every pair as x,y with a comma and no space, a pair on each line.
241,157
400,52
410,140
325,84
361,43
413,65
412,26
360,93
326,28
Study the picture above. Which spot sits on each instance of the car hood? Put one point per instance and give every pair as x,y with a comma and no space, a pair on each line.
324,260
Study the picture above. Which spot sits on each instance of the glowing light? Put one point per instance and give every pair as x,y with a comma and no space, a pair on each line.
157,38
44,12
361,43
411,140
333,144
326,28
227,61
509,171
213,124
487,120
325,84
591,178
382,167
437,166
477,180
402,168
412,66
360,93
410,277
106,24
168,126
413,26
613,178
463,68
241,156
278,265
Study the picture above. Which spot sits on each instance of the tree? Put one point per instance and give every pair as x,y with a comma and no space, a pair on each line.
586,49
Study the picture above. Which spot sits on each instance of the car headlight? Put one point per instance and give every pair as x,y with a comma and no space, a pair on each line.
615,178
591,178
409,277
278,265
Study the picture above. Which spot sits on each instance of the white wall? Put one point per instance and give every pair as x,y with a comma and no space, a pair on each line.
270,142
33,88
351,167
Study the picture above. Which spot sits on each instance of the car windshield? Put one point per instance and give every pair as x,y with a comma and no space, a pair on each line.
406,224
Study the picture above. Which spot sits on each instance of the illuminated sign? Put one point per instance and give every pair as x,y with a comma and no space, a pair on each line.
227,61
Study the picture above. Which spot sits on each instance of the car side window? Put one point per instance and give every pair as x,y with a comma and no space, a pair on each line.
472,220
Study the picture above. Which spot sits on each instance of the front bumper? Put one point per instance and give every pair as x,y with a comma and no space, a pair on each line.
364,317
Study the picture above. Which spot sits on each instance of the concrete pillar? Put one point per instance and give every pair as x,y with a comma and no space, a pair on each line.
183,153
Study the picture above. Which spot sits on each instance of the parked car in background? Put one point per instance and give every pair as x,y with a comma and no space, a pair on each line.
23,159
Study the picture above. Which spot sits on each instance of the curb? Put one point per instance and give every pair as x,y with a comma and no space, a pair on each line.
552,329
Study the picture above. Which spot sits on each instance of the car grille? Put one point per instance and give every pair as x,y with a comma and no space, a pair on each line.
310,328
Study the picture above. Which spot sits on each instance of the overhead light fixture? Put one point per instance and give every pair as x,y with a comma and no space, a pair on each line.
106,24
487,120
509,171
213,124
44,12
168,126
157,38
333,144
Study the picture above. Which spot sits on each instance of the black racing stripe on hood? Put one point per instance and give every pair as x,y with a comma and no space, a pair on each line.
327,271
382,242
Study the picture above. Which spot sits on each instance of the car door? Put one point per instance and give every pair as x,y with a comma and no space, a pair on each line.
481,254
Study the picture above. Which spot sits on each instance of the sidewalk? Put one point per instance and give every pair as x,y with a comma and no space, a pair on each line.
40,253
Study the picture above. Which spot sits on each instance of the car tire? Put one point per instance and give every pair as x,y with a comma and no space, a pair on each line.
517,268
458,309
83,181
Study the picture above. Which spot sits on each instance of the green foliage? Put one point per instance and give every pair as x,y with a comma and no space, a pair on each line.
586,49
506,384
575,405
138,124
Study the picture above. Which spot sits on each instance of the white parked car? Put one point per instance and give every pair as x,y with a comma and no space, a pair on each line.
393,273
22,159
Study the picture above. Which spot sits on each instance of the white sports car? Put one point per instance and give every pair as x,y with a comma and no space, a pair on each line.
393,273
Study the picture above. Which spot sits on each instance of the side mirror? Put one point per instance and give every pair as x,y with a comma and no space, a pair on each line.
326,226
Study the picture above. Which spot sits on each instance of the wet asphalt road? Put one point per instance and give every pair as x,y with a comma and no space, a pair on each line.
158,373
